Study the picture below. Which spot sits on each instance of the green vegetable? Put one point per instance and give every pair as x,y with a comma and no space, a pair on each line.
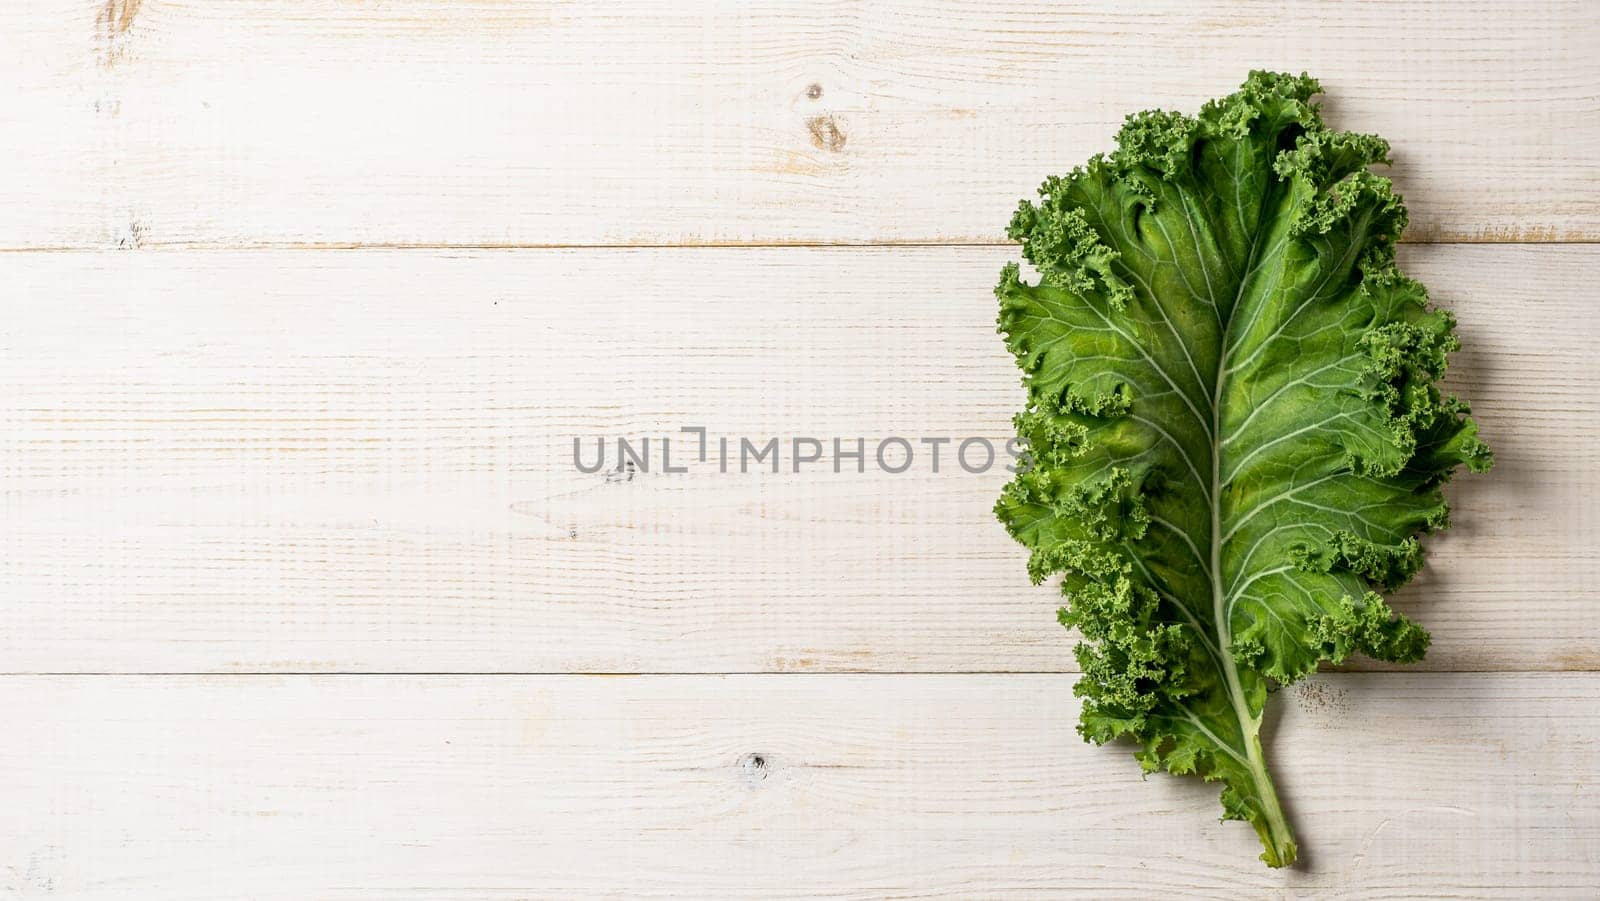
1234,426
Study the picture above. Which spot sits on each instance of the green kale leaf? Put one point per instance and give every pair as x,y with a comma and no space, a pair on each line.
1233,421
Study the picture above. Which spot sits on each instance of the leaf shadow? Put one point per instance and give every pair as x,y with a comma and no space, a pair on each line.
1474,374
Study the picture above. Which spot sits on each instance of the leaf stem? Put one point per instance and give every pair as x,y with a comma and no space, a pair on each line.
1273,827
1277,839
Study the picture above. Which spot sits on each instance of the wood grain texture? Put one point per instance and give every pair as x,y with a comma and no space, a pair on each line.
1445,785
434,122
237,453
336,461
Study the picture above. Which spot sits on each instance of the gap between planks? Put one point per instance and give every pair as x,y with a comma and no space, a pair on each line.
453,674
275,246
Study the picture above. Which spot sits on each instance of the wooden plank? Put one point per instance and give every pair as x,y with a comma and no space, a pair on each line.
428,122
315,461
962,786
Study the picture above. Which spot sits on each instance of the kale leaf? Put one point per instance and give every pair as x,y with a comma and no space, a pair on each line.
1233,421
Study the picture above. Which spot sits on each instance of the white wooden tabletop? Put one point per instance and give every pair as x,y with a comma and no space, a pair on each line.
301,593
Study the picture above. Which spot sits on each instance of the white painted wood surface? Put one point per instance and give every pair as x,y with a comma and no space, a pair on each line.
440,122
336,461
275,414
957,787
